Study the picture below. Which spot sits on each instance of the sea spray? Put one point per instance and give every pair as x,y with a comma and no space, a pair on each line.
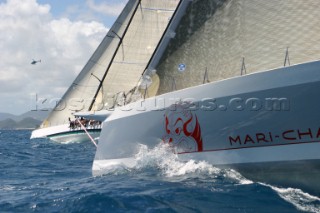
169,164
301,200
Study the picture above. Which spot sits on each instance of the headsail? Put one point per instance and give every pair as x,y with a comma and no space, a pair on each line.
119,61
216,39
138,45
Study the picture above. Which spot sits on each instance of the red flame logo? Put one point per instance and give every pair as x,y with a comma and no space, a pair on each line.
183,130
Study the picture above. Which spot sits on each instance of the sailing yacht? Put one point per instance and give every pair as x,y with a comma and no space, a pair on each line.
110,77
232,82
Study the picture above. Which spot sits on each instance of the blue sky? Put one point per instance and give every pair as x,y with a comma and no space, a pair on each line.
84,9
62,33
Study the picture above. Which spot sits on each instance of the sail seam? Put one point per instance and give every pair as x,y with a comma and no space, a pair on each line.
114,55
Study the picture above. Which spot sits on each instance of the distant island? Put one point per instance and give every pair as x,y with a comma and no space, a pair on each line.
28,120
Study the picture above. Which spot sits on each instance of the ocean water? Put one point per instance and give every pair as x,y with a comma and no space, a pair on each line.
44,176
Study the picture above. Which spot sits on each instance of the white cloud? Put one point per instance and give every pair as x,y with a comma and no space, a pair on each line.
29,31
111,8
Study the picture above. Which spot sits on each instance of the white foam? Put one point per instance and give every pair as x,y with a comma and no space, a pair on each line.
7,188
236,176
162,157
168,162
67,142
301,200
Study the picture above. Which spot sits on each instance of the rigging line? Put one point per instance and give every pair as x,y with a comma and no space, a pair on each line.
162,38
99,81
141,11
117,35
81,85
129,45
96,77
83,90
121,41
287,59
114,55
84,128
158,45
243,67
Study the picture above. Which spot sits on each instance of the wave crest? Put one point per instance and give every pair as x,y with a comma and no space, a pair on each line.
169,164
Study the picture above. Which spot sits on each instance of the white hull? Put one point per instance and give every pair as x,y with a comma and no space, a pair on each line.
238,128
63,134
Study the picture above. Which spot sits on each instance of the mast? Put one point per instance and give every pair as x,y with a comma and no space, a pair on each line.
114,55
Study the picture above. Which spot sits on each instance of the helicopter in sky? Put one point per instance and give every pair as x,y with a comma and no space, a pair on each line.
34,62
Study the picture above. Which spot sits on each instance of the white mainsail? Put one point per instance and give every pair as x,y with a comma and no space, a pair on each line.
227,37
119,61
